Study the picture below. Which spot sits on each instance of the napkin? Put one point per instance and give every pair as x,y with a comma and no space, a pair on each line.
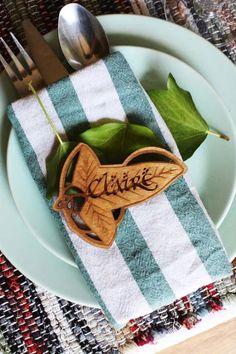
164,248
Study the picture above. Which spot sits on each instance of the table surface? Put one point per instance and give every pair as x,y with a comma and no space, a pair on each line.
218,340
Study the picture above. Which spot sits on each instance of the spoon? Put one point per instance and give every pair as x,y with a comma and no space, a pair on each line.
82,38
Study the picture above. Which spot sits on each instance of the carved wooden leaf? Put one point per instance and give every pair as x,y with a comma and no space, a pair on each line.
104,189
100,221
85,169
143,181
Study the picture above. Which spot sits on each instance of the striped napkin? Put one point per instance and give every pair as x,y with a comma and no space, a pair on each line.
165,248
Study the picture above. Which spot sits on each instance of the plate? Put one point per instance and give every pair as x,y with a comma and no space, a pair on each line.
208,167
16,240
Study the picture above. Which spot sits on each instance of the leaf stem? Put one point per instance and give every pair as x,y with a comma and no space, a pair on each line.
49,119
219,135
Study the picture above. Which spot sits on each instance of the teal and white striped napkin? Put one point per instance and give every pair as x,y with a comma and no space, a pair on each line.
165,248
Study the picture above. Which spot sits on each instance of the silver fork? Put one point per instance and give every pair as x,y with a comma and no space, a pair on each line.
21,75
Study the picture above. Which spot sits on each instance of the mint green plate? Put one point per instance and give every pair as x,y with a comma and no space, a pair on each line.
20,242
208,167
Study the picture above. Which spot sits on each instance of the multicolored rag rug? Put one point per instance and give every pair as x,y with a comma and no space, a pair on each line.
37,322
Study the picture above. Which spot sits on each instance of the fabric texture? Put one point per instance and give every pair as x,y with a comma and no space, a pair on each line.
35,321
165,248
218,29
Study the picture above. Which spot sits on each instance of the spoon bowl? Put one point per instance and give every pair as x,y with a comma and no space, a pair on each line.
82,38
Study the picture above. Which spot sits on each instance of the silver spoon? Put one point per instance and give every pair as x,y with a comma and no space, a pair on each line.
82,38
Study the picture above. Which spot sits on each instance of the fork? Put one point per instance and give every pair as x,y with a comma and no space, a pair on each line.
21,75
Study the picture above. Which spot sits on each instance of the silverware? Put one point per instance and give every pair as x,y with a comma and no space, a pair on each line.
45,59
82,38
21,75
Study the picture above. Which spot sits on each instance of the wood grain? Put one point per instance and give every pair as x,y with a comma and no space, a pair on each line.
102,190
218,340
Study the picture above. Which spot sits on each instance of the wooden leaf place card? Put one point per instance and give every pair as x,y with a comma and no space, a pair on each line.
93,197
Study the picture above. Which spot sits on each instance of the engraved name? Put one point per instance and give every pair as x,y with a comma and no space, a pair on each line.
108,184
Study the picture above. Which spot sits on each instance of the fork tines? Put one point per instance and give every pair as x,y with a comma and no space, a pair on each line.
21,75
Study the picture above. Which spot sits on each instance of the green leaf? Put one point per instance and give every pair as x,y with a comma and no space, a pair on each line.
186,124
113,142
54,166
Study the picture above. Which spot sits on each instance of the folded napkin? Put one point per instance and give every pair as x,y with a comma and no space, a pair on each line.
166,247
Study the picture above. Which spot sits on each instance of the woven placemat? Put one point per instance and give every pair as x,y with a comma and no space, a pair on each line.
35,321
219,28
